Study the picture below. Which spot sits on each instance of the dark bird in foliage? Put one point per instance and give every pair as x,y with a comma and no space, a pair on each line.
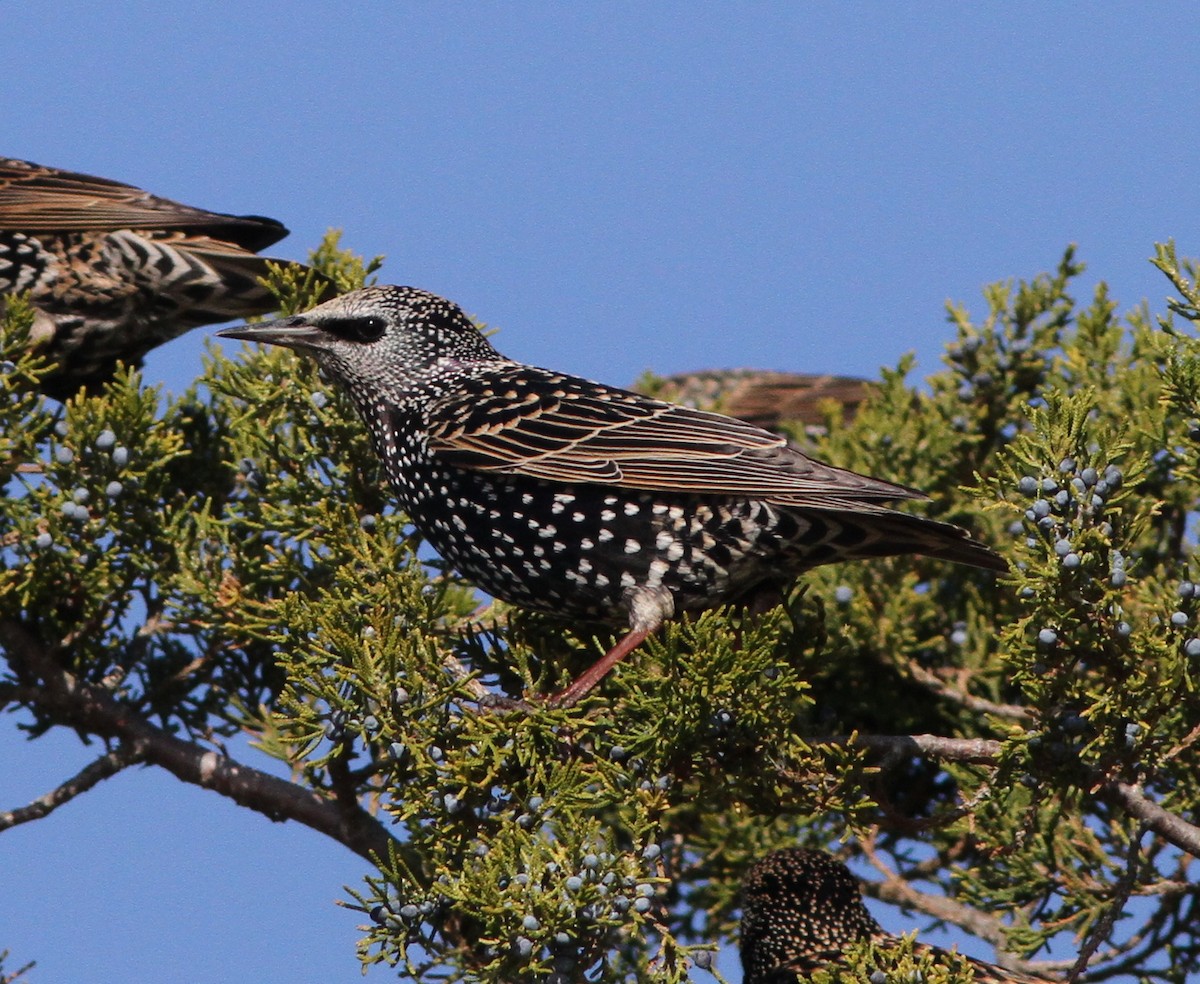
113,271
802,909
766,399
582,500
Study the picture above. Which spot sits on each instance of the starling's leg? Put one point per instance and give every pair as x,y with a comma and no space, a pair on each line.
597,671
648,609
579,688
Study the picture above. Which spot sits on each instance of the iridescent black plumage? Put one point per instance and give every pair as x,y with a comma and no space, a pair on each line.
585,501
113,271
802,909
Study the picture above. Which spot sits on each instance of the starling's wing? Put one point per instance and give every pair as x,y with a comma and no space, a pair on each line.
36,199
522,420
765,398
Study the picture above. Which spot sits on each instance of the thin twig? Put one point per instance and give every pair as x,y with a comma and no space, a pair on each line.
16,975
981,705
982,751
1100,932
90,775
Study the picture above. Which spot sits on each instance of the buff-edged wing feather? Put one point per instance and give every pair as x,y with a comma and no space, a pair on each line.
114,271
561,429
36,199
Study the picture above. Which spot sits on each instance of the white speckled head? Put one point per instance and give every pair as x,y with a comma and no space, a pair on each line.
385,341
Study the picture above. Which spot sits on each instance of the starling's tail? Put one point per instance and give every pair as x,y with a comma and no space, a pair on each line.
233,278
852,535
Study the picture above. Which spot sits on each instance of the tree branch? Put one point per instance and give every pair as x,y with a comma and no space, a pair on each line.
898,891
979,751
90,775
1167,825
1104,926
16,975
981,705
94,710
983,751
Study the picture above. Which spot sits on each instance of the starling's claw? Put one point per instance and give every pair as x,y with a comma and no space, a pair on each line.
497,702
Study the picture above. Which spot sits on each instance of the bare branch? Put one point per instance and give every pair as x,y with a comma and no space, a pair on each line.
90,775
1167,825
16,975
94,710
896,890
982,751
943,688
979,751
1104,926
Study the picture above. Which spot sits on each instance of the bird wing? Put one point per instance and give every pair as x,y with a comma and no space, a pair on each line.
763,397
36,199
517,419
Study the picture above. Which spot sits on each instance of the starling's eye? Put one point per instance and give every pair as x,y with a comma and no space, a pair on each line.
365,329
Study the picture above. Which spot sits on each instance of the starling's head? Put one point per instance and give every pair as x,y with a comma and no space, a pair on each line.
798,905
380,339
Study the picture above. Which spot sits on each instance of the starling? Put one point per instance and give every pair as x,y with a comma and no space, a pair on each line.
801,909
113,271
765,398
585,501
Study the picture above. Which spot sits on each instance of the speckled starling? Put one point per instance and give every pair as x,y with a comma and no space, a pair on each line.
802,909
113,271
581,500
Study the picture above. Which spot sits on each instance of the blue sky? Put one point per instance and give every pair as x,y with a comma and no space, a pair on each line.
615,186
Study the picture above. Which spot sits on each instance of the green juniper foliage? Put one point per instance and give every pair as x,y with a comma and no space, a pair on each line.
178,570
901,960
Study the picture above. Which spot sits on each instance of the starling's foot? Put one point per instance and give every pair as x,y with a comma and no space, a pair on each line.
495,702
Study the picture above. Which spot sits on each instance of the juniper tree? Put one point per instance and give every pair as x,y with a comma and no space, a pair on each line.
1015,757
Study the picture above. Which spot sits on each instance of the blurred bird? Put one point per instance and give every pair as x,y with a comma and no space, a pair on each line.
802,909
763,398
584,501
113,271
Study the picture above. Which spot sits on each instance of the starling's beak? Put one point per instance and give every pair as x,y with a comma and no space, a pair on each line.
293,332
